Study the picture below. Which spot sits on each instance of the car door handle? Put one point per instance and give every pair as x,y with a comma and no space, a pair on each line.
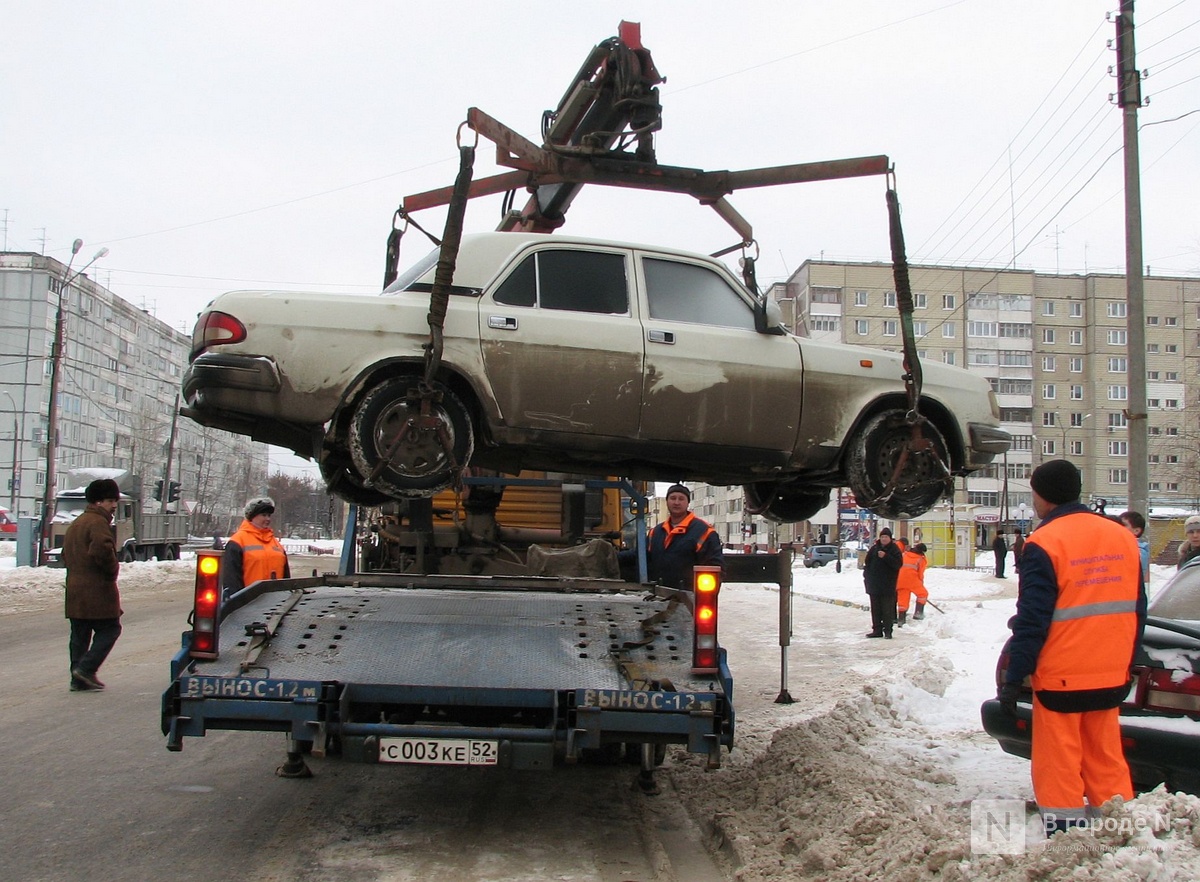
655,336
502,322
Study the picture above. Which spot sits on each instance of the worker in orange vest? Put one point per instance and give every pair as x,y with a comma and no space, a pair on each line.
911,581
1081,609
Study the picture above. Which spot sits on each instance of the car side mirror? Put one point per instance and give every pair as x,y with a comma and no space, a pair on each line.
768,317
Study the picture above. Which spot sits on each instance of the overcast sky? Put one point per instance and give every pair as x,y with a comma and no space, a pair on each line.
221,145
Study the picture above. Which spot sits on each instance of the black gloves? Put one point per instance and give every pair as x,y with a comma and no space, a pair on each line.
1007,694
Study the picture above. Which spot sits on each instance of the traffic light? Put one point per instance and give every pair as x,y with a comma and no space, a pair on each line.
158,489
173,491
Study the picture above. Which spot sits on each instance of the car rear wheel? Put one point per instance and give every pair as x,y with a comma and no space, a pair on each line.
419,456
785,502
872,458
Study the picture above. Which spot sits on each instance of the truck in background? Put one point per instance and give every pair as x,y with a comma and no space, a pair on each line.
140,535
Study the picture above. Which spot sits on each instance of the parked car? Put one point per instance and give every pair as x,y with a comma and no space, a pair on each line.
1160,719
582,356
819,555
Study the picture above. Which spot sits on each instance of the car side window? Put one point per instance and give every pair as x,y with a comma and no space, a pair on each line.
1181,598
579,281
684,292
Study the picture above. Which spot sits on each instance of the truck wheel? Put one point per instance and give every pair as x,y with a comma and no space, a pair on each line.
872,459
127,555
418,460
170,552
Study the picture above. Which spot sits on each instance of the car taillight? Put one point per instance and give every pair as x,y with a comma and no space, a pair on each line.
1172,691
214,328
706,582
206,610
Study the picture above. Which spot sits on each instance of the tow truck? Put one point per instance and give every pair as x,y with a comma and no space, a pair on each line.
438,643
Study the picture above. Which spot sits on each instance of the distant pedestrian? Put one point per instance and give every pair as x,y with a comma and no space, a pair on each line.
1135,523
880,571
1018,548
910,582
253,553
1191,540
1000,550
93,601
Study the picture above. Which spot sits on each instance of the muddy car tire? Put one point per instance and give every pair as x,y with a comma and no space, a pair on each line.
872,458
419,465
783,502
342,481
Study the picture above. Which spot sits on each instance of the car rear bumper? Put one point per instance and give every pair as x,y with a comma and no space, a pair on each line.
987,442
1155,755
213,372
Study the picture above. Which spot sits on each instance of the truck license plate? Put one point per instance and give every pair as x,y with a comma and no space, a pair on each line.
439,751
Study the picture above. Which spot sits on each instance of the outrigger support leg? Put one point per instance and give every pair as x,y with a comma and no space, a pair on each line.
645,778
295,767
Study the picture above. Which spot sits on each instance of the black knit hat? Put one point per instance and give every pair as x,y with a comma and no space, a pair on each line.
678,488
1056,481
886,531
99,490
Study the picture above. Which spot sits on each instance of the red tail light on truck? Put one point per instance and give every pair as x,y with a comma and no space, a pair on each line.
206,608
706,582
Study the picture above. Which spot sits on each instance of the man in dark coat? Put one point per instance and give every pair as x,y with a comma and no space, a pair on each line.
93,601
880,571
1000,550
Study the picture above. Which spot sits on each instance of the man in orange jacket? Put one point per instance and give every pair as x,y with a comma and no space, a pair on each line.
1081,591
253,553
911,581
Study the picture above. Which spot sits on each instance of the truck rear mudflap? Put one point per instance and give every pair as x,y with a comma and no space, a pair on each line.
508,678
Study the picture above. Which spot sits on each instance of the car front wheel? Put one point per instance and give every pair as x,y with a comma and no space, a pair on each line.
872,458
401,451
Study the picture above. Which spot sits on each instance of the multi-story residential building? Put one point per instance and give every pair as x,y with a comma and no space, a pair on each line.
119,377
1055,349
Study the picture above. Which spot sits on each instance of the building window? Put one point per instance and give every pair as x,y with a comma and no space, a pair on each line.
1020,470
1154,485
1152,347
948,356
1116,338
920,300
948,301
889,299
827,295
1016,330
861,327
948,329
981,356
1048,391
1016,358
1172,458
1048,363
1047,307
1171,348
825,323
1118,393
1117,365
1172,486
981,329
1048,448
1118,448
1012,386
1116,309
860,298
1016,414
1172,404
1047,335
1076,310
1152,402
1172,376
920,329
983,497
1117,421
1152,320
1076,393
1152,458
1049,420
1170,321
1151,375
889,327
1118,476
1173,431
1075,364
1076,338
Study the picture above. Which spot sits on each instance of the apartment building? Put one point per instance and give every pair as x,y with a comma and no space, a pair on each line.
119,379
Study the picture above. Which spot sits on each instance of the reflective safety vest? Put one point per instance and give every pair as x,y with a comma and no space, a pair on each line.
912,572
1091,639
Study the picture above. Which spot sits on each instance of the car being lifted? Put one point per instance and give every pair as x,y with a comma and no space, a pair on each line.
581,355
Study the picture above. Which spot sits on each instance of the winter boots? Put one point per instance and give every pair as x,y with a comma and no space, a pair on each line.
920,612
902,617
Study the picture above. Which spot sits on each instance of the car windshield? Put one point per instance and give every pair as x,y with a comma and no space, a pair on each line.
1179,598
405,280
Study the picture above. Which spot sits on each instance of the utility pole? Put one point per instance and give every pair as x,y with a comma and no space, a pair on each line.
1129,98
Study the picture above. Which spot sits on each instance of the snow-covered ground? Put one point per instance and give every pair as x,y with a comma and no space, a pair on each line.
874,771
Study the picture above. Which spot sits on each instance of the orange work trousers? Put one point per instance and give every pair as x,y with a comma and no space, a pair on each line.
1077,756
903,595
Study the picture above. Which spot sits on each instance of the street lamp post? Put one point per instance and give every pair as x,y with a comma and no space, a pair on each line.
14,480
56,355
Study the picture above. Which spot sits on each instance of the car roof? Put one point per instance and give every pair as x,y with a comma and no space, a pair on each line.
481,255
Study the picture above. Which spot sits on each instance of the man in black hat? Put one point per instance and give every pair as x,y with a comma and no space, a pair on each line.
679,543
93,601
880,572
1081,608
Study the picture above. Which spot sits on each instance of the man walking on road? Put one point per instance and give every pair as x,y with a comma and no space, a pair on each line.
1081,608
93,601
1000,550
880,572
